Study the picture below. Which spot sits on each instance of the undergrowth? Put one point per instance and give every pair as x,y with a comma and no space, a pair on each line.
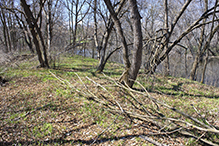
38,109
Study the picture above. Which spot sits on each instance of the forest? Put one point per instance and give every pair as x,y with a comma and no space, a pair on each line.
109,72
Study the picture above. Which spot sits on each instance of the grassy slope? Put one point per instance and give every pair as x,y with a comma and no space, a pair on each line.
37,108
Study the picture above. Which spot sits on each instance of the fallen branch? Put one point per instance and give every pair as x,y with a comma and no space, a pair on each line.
141,110
167,106
151,140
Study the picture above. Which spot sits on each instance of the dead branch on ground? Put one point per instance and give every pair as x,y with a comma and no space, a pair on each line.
142,106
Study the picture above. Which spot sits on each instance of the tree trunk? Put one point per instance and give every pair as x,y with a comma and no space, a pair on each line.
194,67
198,55
28,40
76,23
137,46
49,26
5,32
120,32
93,46
102,65
39,33
36,33
186,67
207,43
131,71
95,29
102,47
204,68
101,60
167,65
37,45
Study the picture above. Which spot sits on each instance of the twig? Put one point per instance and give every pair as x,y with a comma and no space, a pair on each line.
166,133
3,71
57,78
108,93
138,114
104,130
200,139
201,136
151,140
201,116
65,82
96,98
28,113
171,108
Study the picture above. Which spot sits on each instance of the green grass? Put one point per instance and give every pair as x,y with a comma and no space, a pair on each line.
56,108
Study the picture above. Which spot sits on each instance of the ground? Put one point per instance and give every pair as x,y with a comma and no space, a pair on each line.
50,106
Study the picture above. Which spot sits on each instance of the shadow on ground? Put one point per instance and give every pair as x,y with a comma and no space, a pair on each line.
62,141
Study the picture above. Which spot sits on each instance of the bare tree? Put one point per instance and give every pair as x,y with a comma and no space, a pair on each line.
25,31
102,44
77,11
167,65
51,17
203,47
131,70
36,32
49,23
137,44
159,54
6,34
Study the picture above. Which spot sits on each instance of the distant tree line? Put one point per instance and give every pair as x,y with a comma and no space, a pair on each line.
174,37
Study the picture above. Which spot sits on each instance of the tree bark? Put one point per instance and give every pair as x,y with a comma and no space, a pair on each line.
5,32
202,48
36,33
95,29
131,71
27,37
167,65
137,45
102,48
201,40
76,23
204,68
49,26
194,67
120,32
157,59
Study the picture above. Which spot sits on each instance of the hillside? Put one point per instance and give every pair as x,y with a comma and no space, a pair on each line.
73,105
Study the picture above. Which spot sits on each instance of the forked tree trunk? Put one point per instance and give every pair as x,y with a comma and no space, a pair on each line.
36,33
102,48
119,31
131,70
